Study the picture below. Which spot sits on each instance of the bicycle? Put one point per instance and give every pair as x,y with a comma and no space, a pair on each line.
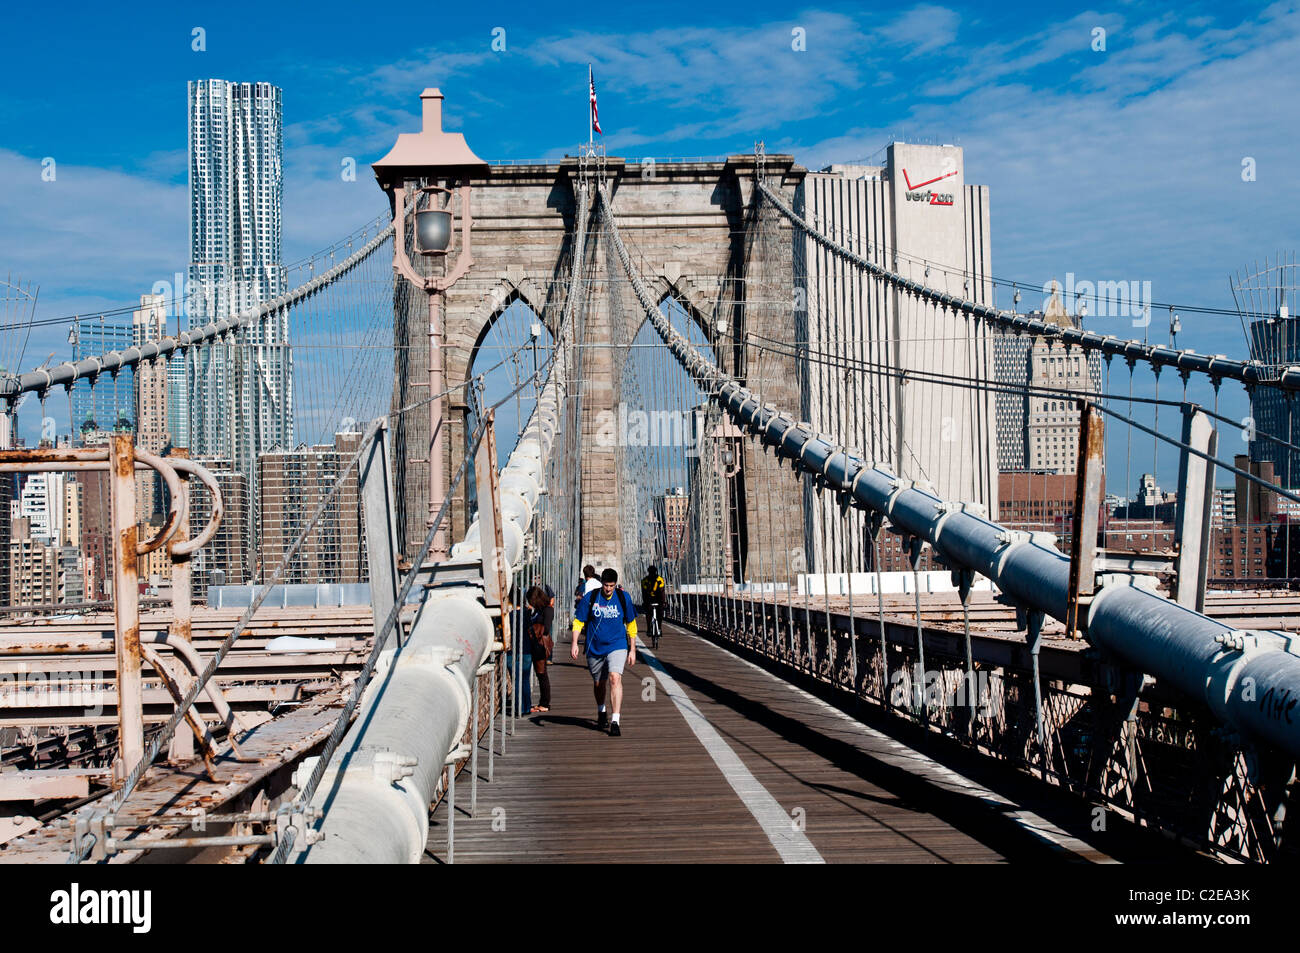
655,629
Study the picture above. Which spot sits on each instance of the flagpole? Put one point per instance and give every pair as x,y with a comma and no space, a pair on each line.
591,136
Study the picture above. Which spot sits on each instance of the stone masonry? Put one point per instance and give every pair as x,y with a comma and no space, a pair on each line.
686,225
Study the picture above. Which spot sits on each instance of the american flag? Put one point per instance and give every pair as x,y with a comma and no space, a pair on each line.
595,117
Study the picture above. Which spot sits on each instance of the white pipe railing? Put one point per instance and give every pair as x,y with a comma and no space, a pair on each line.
375,793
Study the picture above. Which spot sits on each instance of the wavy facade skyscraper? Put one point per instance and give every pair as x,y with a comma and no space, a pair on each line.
240,392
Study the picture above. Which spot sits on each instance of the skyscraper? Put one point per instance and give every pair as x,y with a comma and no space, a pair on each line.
178,401
240,393
912,424
228,554
33,567
671,510
292,484
150,324
1011,366
41,504
1041,432
1268,297
1275,343
108,401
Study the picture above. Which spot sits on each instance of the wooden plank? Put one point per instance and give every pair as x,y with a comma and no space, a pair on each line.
565,793
48,783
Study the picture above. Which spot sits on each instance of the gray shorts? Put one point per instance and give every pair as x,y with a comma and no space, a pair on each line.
602,666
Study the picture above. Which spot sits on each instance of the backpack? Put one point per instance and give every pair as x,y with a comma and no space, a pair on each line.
622,601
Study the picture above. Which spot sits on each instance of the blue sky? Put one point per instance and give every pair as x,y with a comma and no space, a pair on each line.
1123,164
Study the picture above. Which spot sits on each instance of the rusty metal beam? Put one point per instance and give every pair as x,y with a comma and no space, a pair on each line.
496,587
126,606
244,665
49,783
182,747
175,791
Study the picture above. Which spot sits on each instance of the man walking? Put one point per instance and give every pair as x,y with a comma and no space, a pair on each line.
610,621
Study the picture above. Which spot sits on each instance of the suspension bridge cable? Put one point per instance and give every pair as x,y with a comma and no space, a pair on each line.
800,349
971,383
12,385
1251,373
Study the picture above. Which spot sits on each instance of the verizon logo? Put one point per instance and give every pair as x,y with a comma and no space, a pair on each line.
929,197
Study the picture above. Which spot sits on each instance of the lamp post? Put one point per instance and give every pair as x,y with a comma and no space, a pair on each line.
726,459
416,160
433,231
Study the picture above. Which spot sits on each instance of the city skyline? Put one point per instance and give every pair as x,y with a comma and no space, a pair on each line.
1157,74
933,363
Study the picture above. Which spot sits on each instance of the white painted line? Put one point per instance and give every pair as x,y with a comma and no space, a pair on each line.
1031,822
792,844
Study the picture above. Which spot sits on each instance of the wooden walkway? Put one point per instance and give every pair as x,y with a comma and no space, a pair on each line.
763,760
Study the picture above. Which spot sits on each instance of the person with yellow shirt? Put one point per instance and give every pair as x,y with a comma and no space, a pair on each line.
609,619
653,597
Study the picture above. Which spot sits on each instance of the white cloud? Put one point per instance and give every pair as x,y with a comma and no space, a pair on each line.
1129,167
972,67
89,228
726,82
923,29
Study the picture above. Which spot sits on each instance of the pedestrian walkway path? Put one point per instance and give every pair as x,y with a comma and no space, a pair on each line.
721,761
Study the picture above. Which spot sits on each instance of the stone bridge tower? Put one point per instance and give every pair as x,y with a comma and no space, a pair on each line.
693,228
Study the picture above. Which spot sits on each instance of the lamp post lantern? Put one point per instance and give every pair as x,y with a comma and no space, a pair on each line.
726,461
411,172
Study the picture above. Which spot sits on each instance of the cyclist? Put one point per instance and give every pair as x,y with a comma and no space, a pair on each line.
653,597
610,619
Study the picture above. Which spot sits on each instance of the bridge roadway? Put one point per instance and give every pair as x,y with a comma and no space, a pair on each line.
723,759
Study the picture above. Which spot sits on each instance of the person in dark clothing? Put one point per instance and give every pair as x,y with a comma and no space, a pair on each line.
519,659
541,619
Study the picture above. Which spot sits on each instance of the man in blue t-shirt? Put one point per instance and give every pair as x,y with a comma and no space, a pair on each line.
610,620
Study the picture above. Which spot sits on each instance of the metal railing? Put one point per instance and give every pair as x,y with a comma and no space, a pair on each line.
1155,763
1226,670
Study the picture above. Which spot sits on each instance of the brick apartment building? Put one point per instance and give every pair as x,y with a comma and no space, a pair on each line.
291,485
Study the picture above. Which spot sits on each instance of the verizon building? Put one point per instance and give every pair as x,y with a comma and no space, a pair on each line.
916,216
